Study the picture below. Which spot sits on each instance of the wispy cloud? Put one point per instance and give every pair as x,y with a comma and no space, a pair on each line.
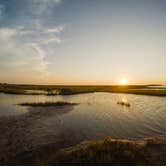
24,46
17,39
41,56
40,6
55,30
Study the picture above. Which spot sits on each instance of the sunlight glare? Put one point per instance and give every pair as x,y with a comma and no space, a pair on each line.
123,81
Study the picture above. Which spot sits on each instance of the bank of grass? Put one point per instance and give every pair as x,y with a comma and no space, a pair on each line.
111,152
71,90
107,152
47,104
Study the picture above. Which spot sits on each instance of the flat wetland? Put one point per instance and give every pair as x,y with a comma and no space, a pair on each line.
70,90
41,124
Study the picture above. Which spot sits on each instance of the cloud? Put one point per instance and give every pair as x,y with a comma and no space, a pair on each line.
51,40
42,59
7,33
25,45
41,6
46,3
42,35
25,49
55,30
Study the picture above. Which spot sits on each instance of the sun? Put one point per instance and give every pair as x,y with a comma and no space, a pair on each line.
123,81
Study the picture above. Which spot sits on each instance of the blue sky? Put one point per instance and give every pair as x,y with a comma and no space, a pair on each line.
82,41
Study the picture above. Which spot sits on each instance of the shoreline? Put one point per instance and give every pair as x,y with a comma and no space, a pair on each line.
123,152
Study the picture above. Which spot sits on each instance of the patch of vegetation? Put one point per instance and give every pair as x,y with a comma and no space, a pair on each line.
66,91
124,103
12,91
107,152
47,104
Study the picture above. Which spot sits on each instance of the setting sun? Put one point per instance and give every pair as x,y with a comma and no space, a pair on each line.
123,81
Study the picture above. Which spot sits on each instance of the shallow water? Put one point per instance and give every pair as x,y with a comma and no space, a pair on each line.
97,116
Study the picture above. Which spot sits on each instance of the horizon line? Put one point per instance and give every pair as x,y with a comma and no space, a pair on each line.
139,84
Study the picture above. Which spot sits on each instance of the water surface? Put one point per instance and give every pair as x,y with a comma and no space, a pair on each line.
97,116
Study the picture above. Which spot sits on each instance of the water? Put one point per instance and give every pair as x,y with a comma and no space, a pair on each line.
97,116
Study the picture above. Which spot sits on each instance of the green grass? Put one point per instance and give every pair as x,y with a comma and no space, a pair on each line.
71,90
47,104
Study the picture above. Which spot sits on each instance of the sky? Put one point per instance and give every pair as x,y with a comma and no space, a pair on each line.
82,41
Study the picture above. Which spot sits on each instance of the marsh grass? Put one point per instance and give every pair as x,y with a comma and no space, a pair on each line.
124,103
47,104
107,152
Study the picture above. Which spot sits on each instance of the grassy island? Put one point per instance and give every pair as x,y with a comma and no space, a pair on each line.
47,104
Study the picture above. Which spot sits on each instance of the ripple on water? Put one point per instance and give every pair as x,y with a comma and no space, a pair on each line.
97,116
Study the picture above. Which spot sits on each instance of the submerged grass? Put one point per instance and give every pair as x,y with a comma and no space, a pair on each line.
47,104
